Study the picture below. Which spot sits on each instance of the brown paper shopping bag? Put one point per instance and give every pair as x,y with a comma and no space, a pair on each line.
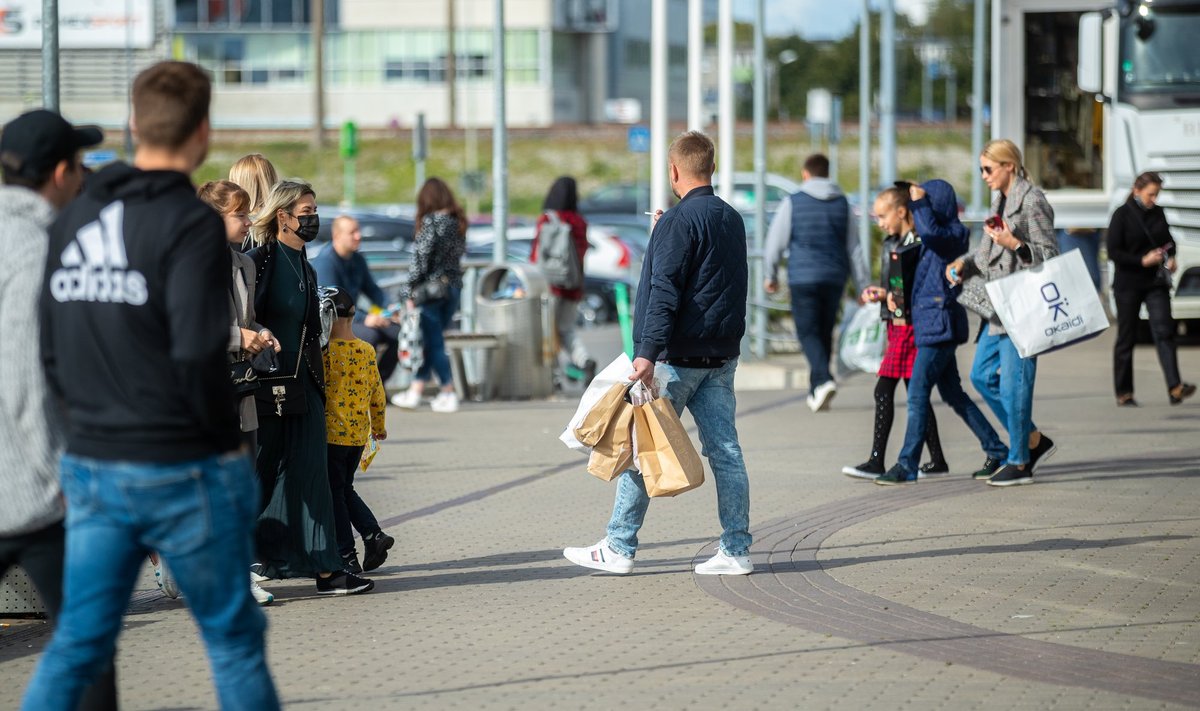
595,422
613,454
668,460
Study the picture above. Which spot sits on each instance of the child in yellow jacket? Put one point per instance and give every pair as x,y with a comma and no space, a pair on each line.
355,403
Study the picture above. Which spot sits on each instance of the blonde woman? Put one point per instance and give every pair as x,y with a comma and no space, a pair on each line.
296,534
254,174
1018,235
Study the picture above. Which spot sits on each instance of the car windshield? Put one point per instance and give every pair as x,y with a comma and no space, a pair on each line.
1158,55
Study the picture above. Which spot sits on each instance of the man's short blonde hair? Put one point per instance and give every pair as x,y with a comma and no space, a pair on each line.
692,153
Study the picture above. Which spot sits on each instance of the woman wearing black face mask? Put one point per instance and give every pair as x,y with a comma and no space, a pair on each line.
296,536
1141,248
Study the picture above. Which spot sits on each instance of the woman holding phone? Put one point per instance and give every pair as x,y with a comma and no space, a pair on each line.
1141,248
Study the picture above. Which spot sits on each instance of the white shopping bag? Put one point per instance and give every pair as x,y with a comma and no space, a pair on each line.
617,371
1049,306
863,339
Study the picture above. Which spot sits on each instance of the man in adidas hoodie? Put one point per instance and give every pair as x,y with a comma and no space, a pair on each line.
135,320
39,155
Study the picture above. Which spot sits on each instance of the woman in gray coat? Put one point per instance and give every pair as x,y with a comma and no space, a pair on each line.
1018,235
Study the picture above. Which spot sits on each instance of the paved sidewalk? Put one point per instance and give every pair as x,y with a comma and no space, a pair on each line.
1079,592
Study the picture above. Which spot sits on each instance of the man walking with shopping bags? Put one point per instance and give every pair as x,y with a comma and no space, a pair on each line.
688,322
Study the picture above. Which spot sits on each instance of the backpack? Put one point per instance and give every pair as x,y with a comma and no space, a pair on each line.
557,256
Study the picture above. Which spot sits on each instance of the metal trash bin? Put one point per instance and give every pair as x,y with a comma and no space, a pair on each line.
18,596
512,301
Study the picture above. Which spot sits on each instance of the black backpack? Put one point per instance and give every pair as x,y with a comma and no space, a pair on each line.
556,253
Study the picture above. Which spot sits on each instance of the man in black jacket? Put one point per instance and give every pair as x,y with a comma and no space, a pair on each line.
135,320
689,320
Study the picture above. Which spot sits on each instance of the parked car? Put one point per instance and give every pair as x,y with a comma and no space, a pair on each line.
608,256
634,198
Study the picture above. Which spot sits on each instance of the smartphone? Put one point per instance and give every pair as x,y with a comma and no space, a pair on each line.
994,223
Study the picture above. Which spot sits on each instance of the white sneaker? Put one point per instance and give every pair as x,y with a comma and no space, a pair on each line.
445,402
721,564
256,575
408,400
600,557
262,597
166,582
822,396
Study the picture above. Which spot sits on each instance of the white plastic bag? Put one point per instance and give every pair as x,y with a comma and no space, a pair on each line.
617,371
863,340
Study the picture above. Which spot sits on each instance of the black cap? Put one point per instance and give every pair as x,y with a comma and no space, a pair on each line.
36,141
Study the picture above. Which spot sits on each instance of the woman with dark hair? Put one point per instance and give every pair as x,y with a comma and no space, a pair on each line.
434,283
1141,248
296,532
560,212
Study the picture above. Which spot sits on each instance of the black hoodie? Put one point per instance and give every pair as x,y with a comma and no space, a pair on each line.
135,320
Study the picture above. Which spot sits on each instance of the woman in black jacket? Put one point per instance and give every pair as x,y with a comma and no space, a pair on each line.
1141,248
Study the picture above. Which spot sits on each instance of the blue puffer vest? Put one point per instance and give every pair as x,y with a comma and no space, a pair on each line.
936,314
817,249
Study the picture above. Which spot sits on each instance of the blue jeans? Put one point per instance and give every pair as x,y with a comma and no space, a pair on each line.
435,319
1005,382
199,517
936,365
708,394
814,311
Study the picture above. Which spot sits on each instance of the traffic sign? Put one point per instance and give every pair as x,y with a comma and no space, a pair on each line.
639,139
95,159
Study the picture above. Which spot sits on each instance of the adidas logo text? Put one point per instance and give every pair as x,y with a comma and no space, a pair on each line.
95,267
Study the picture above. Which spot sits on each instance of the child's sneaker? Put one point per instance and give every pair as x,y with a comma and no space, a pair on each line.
350,563
343,583
375,550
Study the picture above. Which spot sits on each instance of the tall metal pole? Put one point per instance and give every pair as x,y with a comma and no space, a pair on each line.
725,118
658,105
318,42
129,80
50,54
977,58
864,126
695,64
951,93
887,93
451,66
499,141
760,185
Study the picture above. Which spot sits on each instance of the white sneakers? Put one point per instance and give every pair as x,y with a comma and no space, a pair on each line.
722,564
446,402
602,557
599,557
166,582
262,597
822,396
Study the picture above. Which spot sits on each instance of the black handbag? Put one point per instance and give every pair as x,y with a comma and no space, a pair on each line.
429,290
247,373
283,395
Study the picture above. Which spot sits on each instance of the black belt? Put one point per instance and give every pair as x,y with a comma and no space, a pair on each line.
698,362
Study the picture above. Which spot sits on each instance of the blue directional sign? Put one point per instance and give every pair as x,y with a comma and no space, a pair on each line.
639,139
96,159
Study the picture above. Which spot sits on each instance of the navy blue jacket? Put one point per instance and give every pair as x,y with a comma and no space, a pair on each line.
692,297
351,274
937,316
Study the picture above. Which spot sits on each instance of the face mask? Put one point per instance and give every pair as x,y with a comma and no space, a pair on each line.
309,225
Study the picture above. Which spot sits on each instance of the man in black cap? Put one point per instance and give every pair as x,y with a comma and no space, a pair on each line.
39,161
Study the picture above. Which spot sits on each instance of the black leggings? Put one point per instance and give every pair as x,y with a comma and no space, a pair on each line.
885,399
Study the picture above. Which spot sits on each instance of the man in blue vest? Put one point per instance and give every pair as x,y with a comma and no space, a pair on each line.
816,227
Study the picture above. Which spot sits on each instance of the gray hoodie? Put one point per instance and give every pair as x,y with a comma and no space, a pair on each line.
30,424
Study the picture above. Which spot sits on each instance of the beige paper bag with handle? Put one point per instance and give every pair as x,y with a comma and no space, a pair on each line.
613,454
665,455
595,423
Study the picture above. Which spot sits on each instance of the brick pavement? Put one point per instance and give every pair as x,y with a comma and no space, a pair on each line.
1078,592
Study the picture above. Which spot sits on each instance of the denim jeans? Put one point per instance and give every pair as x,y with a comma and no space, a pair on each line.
708,394
348,507
1005,382
936,365
198,515
814,311
435,319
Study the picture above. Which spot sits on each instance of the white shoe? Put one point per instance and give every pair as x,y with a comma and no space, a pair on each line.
822,396
262,597
256,575
445,402
166,582
408,400
721,564
600,557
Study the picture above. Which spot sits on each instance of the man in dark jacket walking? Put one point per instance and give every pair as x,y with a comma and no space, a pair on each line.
135,323
817,229
689,320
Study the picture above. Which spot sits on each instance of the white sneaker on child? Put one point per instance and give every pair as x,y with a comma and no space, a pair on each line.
445,402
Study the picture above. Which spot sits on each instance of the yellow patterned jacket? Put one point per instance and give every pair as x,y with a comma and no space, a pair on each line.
355,401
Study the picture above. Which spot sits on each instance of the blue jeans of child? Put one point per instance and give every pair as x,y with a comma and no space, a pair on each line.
1005,382
199,516
814,311
708,394
435,319
936,365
